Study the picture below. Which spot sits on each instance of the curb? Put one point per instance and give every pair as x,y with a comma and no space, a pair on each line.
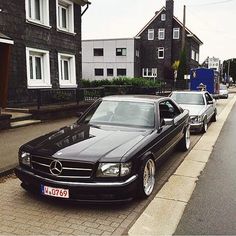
7,172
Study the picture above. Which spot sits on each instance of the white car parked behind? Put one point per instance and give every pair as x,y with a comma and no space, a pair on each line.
201,106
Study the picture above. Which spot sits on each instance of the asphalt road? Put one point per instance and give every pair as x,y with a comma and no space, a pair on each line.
212,208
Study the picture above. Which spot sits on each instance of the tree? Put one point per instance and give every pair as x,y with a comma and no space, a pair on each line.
230,65
168,73
182,68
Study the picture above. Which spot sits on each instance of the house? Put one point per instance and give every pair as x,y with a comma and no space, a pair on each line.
155,48
110,58
45,39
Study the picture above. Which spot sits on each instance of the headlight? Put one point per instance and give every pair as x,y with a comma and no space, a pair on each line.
196,119
24,158
113,169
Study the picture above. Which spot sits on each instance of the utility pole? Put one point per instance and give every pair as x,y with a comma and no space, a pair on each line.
183,30
228,70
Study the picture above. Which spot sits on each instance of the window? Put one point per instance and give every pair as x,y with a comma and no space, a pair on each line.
37,11
98,72
110,72
151,34
67,70
168,110
208,97
121,52
121,72
193,55
98,52
176,33
197,58
163,17
161,34
65,15
150,72
160,53
38,68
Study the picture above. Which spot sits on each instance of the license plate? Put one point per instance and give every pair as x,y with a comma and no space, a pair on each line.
55,192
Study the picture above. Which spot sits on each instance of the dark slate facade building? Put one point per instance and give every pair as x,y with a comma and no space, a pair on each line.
47,45
155,49
161,43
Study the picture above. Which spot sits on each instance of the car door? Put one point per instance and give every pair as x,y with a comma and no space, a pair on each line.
209,105
168,134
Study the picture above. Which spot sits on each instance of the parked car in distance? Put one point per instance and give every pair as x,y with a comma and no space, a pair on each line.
223,93
201,106
109,154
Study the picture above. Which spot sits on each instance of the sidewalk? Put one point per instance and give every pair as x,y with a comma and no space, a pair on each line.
12,139
212,208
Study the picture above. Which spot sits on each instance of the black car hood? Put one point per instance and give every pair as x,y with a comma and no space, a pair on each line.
87,143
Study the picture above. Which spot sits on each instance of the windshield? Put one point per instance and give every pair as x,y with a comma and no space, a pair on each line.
125,113
188,98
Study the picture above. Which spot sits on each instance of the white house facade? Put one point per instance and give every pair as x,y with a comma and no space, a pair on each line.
108,58
214,63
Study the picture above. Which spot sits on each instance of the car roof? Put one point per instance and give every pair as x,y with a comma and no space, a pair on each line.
191,92
134,98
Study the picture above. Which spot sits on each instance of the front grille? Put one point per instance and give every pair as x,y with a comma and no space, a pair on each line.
70,169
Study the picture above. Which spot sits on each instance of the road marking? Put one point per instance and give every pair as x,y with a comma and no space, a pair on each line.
163,214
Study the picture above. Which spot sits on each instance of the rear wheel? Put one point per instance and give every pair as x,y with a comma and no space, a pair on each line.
147,178
185,142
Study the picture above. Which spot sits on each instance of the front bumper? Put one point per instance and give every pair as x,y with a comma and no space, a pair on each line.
196,126
82,191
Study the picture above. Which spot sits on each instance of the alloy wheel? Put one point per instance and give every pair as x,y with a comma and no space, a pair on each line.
187,138
149,177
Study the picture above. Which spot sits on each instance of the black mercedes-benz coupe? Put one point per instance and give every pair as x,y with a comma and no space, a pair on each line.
109,154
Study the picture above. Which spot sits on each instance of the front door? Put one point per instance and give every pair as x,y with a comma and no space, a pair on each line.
4,72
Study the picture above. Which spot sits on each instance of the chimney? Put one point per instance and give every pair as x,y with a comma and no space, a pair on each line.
169,32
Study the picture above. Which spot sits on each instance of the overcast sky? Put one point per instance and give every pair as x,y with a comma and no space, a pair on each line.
213,21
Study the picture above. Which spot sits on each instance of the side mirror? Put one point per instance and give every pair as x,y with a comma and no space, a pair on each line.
169,122
210,102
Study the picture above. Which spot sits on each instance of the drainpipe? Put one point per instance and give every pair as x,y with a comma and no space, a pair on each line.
87,6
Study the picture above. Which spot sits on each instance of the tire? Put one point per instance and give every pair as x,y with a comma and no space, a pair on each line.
185,142
146,178
204,126
213,118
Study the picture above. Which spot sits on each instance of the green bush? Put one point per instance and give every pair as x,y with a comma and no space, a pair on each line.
136,82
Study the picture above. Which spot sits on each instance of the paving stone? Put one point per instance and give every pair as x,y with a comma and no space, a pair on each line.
94,231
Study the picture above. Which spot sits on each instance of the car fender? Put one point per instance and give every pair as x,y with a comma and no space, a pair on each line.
145,155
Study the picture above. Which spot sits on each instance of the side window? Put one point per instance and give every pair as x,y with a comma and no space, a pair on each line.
208,97
168,110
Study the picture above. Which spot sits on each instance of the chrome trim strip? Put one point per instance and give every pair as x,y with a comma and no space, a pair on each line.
75,184
41,164
79,169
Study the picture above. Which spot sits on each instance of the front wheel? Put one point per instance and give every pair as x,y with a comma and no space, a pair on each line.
185,142
147,178
213,118
204,126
